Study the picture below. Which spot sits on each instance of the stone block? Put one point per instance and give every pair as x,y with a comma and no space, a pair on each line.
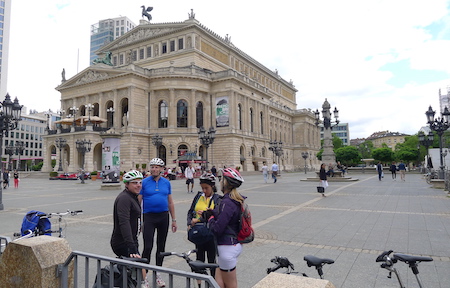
33,262
292,281
112,186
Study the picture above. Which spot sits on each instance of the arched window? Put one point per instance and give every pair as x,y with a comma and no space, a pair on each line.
199,112
163,114
182,113
251,119
162,153
261,121
239,116
181,150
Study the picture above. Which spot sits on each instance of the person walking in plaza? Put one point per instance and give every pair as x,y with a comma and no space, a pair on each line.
323,178
380,170
402,170
214,171
127,220
205,200
5,179
265,172
274,169
225,225
189,175
16,179
157,204
393,170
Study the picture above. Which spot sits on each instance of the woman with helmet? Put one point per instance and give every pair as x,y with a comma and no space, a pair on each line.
127,218
225,225
205,200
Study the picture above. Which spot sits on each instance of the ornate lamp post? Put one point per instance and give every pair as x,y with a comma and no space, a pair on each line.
440,125
9,150
277,150
328,155
83,147
206,139
74,114
305,156
157,141
110,111
10,115
89,107
19,151
60,143
427,142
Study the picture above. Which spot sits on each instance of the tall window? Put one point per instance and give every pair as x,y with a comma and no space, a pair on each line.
149,51
182,113
172,45
251,119
199,112
164,48
240,116
180,44
141,54
261,120
163,114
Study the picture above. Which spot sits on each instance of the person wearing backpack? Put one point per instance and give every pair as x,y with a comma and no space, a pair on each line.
197,215
224,223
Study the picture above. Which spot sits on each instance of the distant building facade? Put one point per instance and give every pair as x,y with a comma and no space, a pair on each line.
340,130
105,31
5,19
391,139
169,80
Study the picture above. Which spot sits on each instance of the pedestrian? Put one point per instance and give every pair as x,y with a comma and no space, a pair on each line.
16,179
5,179
220,173
157,204
189,175
225,225
127,220
205,200
380,171
265,172
274,172
214,171
402,170
393,169
323,178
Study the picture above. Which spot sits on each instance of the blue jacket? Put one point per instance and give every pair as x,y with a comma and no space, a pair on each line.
225,224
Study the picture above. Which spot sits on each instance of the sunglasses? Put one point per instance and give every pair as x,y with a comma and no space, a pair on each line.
136,182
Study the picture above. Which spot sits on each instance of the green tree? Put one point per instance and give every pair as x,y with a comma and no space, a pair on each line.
407,154
348,155
365,149
337,142
383,154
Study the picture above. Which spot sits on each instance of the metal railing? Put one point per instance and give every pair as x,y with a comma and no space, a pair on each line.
83,268
3,242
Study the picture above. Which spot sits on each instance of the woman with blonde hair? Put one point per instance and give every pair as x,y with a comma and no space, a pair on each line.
225,225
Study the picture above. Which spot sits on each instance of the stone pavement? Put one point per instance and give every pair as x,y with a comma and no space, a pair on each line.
352,225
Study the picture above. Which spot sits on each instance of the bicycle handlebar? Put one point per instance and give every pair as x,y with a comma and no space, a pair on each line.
60,214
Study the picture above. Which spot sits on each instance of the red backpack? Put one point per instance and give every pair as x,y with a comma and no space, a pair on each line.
246,233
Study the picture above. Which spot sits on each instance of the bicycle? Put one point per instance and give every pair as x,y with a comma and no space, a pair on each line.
412,261
430,176
196,266
283,262
121,276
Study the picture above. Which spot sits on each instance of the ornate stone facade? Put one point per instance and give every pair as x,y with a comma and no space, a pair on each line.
169,79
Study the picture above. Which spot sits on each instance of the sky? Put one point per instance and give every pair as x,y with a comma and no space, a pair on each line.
380,62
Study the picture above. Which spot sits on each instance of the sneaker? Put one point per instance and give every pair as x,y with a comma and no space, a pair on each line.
145,284
192,191
159,281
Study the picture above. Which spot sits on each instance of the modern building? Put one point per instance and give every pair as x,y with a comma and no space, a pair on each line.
105,31
5,19
167,81
340,130
391,139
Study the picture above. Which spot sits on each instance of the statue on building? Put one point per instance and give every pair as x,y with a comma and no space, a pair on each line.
63,75
145,12
192,14
105,60
125,120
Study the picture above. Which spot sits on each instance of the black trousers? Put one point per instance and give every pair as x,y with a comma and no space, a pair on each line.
159,223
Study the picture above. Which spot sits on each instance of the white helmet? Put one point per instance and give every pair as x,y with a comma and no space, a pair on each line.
157,161
132,175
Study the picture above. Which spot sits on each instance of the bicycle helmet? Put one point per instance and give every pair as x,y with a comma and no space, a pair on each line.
233,177
132,175
157,161
208,178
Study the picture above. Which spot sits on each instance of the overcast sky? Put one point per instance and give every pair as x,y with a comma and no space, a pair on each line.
381,63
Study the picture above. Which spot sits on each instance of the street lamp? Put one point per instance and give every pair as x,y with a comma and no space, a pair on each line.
10,115
83,147
74,114
9,150
110,111
427,142
89,107
277,150
328,155
206,139
19,151
60,143
305,155
157,141
440,125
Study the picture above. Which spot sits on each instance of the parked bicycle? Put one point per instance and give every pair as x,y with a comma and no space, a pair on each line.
431,175
196,266
122,275
412,261
283,262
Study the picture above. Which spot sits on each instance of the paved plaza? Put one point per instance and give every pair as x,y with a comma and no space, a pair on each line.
352,225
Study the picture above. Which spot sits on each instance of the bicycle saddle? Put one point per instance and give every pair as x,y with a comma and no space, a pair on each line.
410,258
316,261
199,265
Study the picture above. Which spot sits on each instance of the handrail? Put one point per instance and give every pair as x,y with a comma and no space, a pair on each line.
63,270
4,240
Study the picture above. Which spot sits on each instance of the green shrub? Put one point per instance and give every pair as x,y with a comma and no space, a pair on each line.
94,173
53,174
